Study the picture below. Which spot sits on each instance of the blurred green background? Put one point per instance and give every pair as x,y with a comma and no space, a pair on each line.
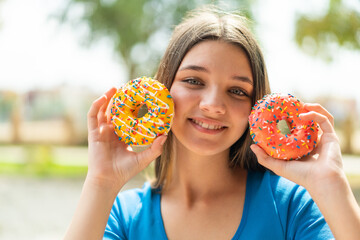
56,57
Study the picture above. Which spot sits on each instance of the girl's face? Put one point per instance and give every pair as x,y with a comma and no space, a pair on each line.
212,93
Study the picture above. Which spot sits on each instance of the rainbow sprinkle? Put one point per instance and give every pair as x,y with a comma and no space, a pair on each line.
128,100
264,131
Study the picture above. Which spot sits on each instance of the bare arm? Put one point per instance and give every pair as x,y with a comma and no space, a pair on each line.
339,207
111,165
92,213
322,175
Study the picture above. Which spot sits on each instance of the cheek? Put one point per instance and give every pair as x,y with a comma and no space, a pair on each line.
182,102
181,97
177,101
241,116
179,94
242,109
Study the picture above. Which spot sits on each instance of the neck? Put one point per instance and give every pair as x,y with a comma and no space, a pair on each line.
198,177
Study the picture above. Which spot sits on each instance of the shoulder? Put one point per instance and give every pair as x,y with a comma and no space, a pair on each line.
130,202
278,187
289,203
284,195
129,206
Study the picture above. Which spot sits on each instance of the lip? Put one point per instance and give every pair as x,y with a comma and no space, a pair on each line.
211,126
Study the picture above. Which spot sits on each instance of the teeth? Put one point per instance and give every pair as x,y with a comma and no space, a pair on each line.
207,126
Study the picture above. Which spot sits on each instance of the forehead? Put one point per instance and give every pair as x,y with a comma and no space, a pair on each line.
210,49
221,56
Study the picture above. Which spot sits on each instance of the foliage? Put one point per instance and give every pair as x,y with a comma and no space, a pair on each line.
340,25
42,170
7,102
40,160
139,30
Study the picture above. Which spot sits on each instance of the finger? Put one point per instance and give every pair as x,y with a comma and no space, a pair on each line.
93,112
320,109
276,165
102,118
110,104
322,120
147,156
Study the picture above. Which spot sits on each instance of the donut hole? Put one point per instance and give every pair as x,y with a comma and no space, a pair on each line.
284,127
143,109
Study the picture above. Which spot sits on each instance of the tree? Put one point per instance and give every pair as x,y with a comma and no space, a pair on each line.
139,30
340,25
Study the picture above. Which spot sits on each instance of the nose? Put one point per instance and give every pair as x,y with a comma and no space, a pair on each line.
212,102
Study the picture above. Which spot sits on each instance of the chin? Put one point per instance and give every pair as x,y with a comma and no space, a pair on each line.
204,147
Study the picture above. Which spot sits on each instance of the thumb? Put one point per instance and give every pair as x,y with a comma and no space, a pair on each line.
147,156
276,165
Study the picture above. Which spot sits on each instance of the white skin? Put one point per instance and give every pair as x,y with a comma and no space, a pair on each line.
322,174
205,197
212,94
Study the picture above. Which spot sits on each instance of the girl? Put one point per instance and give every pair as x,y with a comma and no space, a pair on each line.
209,183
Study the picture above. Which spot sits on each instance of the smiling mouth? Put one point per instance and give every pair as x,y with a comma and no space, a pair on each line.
207,126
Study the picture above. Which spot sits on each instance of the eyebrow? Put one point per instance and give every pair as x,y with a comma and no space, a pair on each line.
243,79
203,69
195,68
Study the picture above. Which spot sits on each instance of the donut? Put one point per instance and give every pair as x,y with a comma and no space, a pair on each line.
127,101
264,120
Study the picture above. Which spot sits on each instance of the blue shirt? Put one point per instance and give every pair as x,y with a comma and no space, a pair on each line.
274,208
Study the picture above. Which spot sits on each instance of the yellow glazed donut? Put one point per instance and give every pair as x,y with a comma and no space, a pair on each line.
126,104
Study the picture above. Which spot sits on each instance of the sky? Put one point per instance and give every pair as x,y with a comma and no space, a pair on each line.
38,52
290,69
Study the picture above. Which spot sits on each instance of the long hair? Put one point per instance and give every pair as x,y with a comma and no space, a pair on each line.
199,25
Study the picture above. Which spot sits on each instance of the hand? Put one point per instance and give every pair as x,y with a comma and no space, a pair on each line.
110,163
322,166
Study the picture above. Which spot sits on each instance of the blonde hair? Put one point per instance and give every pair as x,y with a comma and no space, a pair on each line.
203,24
